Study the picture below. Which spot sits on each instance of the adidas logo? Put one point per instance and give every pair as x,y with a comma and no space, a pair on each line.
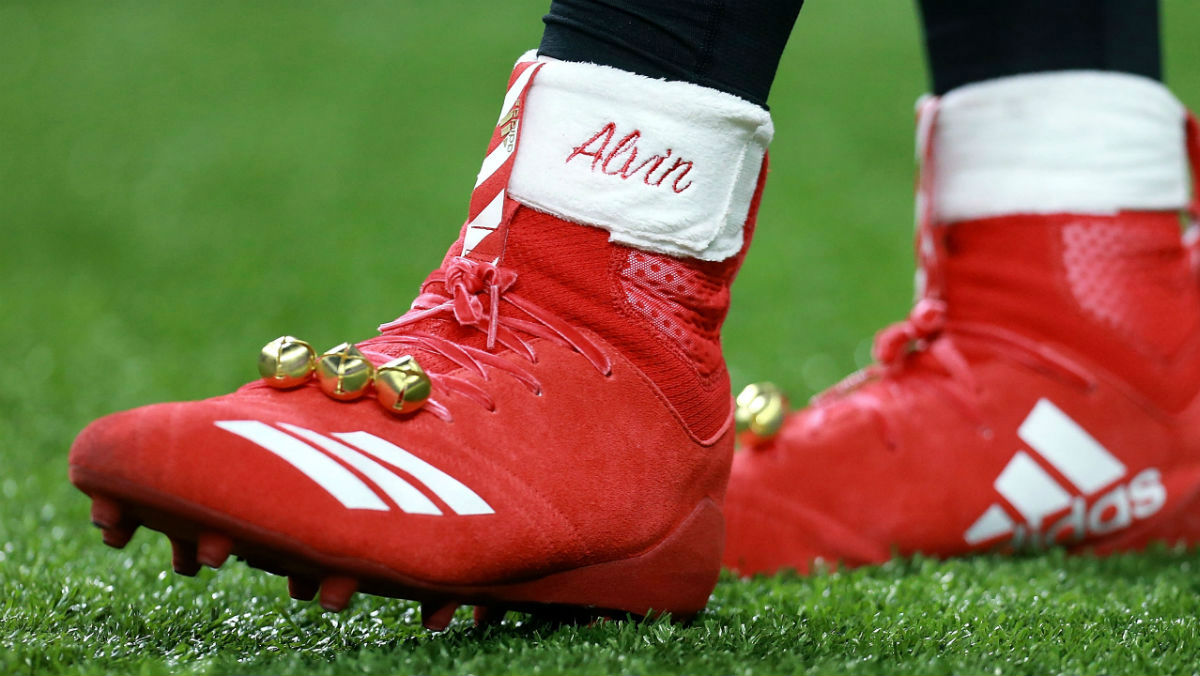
1035,494
314,455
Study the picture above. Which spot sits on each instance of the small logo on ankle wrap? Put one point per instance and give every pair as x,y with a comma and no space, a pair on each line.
622,160
509,125
1037,496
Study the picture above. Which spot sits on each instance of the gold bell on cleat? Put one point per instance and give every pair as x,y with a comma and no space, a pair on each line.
760,409
344,373
402,386
286,362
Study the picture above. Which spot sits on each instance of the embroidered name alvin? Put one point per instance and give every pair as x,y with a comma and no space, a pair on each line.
622,160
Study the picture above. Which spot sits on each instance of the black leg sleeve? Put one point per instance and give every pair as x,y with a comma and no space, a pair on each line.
730,45
971,40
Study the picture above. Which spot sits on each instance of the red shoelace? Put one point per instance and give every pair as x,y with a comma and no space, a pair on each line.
472,293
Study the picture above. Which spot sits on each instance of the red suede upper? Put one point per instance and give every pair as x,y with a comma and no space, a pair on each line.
585,467
1118,291
1098,316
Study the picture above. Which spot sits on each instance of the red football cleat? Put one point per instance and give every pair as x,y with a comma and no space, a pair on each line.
569,439
1044,391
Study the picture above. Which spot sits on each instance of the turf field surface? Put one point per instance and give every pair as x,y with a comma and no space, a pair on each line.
180,182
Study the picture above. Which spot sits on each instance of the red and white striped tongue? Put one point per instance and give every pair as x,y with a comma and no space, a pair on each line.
491,208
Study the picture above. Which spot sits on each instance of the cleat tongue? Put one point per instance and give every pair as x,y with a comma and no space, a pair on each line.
336,592
489,616
183,557
302,588
212,549
437,617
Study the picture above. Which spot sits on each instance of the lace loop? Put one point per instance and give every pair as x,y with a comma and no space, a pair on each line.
924,323
457,291
466,279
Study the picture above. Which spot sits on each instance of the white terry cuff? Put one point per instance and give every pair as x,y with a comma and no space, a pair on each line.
1061,142
665,166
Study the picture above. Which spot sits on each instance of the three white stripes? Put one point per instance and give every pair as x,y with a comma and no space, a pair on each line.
346,487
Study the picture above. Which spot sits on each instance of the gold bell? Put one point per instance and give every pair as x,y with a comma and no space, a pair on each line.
286,362
402,386
344,373
760,410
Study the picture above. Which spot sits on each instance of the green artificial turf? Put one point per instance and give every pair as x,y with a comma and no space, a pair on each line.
181,181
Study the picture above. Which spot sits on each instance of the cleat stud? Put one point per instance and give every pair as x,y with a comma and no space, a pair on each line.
119,536
436,616
213,549
116,528
106,513
336,591
183,557
302,588
489,616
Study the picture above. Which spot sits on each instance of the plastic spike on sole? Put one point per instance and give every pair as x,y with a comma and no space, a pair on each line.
302,588
436,616
116,528
119,536
489,616
213,549
106,513
336,592
183,557
200,538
